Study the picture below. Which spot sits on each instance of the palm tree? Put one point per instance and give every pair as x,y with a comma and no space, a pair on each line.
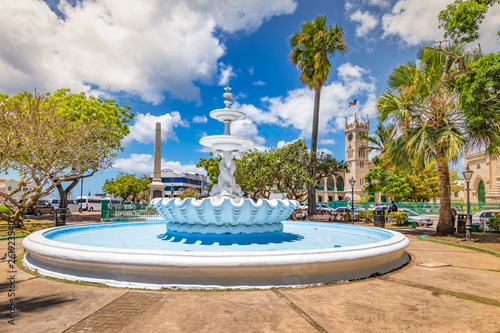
381,141
430,125
311,48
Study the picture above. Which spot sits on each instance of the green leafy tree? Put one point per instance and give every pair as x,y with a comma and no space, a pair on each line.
312,48
284,170
479,98
45,145
462,18
430,124
211,165
397,188
188,192
291,165
255,172
380,142
126,185
80,108
424,183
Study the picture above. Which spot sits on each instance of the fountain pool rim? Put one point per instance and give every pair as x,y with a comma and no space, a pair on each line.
155,269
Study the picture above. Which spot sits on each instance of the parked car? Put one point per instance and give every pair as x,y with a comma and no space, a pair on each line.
55,202
41,207
73,206
482,217
422,220
324,209
300,212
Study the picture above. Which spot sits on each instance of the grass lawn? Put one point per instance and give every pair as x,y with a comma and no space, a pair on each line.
30,225
489,241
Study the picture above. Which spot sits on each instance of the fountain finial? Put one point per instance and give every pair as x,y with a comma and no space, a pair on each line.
228,96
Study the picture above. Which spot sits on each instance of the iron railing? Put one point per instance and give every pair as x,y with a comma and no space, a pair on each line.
118,212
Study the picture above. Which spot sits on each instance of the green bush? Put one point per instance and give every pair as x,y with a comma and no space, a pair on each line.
494,222
366,215
5,210
399,217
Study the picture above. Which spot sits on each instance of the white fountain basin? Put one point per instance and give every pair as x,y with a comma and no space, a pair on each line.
226,142
227,115
135,254
224,215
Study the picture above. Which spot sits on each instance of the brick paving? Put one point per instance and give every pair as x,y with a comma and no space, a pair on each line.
116,315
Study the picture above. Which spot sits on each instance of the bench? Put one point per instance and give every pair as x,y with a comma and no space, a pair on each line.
321,218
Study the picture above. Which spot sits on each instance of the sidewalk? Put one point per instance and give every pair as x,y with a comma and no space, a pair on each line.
463,295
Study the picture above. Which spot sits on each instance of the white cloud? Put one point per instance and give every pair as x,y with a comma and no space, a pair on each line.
141,48
259,83
246,128
226,73
199,120
488,30
296,108
327,142
367,22
143,129
251,70
414,21
143,164
282,143
325,151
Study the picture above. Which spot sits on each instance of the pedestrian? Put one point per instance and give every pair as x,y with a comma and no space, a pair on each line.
393,207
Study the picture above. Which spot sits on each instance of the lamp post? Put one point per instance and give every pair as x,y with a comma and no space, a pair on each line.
81,197
352,181
467,176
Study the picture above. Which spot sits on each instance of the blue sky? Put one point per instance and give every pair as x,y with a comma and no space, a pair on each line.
169,60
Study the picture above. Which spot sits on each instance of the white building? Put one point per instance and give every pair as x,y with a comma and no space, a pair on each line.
8,185
176,180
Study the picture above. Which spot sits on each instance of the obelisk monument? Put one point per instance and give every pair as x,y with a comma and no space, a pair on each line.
156,188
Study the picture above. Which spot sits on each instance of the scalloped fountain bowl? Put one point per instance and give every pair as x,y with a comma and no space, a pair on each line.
224,215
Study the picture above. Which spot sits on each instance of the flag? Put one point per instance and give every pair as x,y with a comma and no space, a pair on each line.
353,103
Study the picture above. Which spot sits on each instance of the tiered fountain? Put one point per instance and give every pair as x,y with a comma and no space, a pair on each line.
226,211
222,241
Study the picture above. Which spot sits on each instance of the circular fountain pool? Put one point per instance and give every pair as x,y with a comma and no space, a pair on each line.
144,255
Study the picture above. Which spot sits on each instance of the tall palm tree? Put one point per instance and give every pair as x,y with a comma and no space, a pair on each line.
312,47
381,141
430,125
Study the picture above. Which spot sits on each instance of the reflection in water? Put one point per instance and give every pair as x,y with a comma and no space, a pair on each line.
226,240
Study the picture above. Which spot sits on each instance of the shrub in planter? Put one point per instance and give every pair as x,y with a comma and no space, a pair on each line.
366,215
494,222
399,217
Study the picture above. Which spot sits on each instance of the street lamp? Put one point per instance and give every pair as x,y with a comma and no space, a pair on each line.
352,181
467,176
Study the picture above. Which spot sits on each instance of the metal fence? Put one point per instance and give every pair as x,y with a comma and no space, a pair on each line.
427,208
117,212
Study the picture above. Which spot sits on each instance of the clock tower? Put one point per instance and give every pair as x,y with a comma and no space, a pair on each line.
356,155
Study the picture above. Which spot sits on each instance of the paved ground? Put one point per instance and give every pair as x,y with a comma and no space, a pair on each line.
414,299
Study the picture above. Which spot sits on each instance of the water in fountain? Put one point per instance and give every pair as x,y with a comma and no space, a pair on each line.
226,211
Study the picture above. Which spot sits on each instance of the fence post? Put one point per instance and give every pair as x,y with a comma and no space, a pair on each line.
104,209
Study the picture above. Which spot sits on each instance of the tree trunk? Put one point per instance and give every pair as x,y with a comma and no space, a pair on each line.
445,225
311,197
63,193
386,191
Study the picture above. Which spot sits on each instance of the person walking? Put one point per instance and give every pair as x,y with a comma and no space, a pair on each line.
393,207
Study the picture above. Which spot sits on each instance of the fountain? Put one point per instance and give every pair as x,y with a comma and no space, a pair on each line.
221,241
